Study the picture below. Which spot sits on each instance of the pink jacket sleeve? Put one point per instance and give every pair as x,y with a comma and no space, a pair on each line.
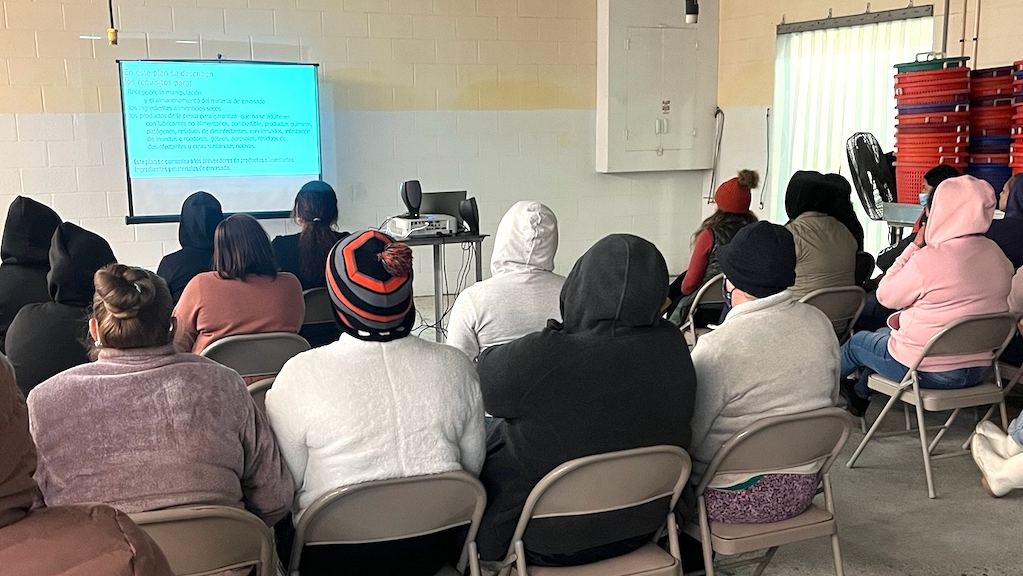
904,283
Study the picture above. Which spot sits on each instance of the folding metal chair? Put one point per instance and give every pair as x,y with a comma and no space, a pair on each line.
256,354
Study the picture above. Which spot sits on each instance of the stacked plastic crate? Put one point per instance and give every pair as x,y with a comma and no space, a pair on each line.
991,112
1016,149
933,121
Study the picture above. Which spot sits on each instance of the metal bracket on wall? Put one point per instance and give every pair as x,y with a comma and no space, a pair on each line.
867,17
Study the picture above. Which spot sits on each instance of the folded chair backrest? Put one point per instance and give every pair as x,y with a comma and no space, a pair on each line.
780,442
606,482
258,392
971,335
256,354
393,509
205,540
318,307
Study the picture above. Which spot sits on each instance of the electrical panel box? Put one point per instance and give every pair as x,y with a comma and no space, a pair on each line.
656,86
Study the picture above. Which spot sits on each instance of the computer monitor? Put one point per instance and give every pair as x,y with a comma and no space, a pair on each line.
443,203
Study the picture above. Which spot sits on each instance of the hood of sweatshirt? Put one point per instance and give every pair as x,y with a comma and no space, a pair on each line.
620,282
17,488
808,191
75,255
28,232
526,239
200,215
963,206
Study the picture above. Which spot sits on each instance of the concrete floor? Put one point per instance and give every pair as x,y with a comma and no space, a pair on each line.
887,524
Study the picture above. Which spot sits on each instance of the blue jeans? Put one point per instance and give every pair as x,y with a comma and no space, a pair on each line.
868,352
1016,430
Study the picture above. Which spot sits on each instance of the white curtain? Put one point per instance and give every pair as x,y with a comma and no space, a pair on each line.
828,85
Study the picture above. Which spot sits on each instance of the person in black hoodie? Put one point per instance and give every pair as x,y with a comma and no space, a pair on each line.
46,339
26,243
200,215
611,376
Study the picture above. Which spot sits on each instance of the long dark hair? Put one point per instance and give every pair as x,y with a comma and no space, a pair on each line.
316,209
720,216
241,247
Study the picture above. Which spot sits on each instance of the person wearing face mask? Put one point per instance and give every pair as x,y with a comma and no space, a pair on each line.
772,356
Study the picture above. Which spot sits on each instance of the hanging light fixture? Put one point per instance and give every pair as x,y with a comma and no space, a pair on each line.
111,32
692,11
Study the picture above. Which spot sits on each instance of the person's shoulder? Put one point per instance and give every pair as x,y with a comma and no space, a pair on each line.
290,280
285,240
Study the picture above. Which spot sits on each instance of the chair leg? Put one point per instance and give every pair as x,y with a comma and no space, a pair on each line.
941,432
863,424
705,539
905,413
767,560
873,429
837,551
923,448
1004,414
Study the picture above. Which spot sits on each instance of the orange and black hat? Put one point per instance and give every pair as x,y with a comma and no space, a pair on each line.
369,278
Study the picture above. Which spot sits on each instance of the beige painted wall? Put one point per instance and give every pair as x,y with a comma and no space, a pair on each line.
748,32
376,54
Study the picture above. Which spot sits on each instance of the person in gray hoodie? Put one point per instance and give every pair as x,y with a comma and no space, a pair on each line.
26,244
523,292
48,338
200,215
613,375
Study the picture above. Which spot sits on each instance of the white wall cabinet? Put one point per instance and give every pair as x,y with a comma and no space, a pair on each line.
656,86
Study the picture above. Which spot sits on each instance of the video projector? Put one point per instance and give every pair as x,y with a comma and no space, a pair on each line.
412,224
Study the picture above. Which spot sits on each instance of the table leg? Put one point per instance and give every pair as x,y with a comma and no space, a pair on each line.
438,290
479,260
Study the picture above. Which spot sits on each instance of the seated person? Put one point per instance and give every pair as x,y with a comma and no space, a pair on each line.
612,375
244,294
522,294
67,540
200,215
25,251
950,271
874,316
1008,231
732,199
147,428
51,337
305,254
378,403
825,248
772,356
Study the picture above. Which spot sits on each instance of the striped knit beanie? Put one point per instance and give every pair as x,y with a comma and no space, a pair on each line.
369,277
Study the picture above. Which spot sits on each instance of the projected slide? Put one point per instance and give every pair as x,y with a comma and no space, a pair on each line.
248,133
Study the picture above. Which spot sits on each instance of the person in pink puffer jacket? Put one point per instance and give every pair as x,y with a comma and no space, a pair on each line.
949,271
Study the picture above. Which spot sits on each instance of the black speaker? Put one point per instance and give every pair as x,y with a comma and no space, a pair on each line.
412,195
470,214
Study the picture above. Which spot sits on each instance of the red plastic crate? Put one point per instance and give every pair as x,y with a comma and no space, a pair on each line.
950,139
939,119
932,76
909,179
934,87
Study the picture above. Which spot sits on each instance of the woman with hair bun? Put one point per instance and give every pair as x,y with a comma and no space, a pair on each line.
305,254
145,427
244,294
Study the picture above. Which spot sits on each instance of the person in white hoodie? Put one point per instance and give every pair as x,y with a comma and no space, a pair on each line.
378,403
523,292
771,356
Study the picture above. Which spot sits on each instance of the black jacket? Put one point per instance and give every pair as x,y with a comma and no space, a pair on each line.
200,215
46,339
25,248
612,376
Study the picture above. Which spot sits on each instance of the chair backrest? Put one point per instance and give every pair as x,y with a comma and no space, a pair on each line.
258,392
709,293
256,354
392,509
842,305
607,482
318,307
971,335
210,539
780,442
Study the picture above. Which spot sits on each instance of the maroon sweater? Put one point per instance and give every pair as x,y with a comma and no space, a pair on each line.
146,429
